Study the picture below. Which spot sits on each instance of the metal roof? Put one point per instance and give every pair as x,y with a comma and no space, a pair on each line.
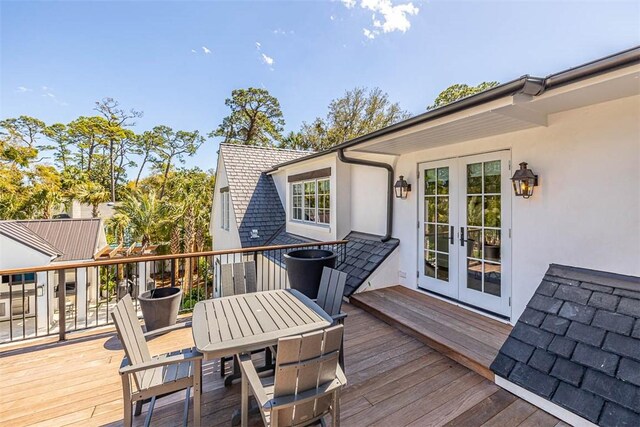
75,239
22,234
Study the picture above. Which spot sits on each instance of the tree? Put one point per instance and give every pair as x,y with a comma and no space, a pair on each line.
172,146
255,119
19,140
146,146
145,214
360,111
459,91
92,193
119,140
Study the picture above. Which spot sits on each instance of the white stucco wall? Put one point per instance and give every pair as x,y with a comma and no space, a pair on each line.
17,255
222,239
585,211
313,231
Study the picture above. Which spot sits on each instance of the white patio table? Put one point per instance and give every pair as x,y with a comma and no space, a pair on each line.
253,321
243,323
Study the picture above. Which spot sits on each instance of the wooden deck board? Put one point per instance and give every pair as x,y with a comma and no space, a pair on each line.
468,338
394,379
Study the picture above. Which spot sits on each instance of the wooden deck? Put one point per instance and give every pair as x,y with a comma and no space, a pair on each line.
468,338
394,380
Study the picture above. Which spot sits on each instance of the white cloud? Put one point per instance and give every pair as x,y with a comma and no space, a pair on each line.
386,17
193,51
349,4
258,45
369,34
267,60
206,50
23,89
333,18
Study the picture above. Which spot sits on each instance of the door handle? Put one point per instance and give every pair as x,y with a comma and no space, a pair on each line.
462,236
451,237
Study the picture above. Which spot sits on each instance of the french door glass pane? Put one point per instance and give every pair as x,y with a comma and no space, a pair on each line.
484,208
436,223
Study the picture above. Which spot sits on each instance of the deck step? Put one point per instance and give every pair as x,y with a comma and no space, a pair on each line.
467,337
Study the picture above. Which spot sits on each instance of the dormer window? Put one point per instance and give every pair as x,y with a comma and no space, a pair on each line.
311,201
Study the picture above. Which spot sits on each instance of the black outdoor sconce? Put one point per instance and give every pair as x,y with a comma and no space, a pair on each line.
523,181
402,188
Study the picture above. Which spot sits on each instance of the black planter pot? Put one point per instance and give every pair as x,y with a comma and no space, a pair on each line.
304,269
160,307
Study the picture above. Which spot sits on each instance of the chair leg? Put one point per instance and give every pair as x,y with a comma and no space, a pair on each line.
244,397
197,394
138,410
185,414
126,394
222,367
147,419
335,410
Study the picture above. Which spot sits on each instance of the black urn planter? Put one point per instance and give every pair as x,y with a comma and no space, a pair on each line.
304,269
160,307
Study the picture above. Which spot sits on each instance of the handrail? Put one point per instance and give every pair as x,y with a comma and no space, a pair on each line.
128,260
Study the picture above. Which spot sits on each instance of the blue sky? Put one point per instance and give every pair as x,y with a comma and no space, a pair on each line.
178,61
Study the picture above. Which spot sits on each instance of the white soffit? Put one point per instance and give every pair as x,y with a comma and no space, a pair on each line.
507,115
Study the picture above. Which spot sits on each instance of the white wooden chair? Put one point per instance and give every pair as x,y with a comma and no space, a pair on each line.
153,376
237,279
329,298
307,381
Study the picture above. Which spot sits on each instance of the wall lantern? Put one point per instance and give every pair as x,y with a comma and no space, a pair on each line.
402,188
524,180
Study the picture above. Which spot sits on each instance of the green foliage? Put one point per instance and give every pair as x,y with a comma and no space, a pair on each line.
255,119
459,91
359,112
190,298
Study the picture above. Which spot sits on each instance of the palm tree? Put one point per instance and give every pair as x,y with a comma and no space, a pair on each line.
145,213
118,223
91,193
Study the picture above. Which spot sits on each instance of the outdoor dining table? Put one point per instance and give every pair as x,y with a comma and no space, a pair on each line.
253,321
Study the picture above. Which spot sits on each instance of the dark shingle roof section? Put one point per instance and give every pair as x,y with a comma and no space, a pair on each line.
578,345
255,200
76,239
365,252
22,234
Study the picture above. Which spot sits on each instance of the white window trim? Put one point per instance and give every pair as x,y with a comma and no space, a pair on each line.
224,209
303,207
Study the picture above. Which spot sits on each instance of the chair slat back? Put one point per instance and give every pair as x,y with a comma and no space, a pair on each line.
239,278
331,290
304,363
130,334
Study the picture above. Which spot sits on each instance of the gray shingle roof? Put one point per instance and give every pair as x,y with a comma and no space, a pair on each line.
22,234
577,344
253,193
365,252
76,239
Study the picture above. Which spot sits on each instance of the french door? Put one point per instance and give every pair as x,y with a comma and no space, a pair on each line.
464,229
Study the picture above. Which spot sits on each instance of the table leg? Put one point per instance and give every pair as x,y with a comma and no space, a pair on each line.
268,366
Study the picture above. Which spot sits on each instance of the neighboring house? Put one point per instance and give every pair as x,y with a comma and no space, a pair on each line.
38,243
462,234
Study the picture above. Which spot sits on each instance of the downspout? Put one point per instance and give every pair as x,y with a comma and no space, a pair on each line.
389,169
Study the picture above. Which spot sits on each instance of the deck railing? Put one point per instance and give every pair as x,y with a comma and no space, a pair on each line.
60,298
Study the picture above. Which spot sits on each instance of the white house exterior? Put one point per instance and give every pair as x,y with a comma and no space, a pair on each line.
578,130
39,243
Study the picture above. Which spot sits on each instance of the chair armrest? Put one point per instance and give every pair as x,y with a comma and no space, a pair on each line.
249,372
159,361
339,318
167,329
291,400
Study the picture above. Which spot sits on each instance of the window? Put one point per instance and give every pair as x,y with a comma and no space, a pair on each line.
311,201
224,208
